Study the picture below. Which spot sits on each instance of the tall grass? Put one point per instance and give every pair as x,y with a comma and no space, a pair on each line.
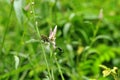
87,39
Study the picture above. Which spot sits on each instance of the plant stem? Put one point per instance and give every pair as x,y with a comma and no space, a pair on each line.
6,29
38,33
95,32
51,58
59,68
115,76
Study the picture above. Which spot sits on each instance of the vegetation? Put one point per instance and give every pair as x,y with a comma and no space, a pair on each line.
84,45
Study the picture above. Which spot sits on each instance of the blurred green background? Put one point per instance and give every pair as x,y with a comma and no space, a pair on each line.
87,41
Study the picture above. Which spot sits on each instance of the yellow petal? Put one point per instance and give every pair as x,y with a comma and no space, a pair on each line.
106,72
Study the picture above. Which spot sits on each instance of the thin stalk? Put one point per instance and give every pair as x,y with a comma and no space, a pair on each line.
38,33
97,28
59,68
55,13
95,32
52,74
6,29
51,57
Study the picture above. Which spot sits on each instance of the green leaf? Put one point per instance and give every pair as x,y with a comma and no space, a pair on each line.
16,61
66,29
18,10
103,37
84,34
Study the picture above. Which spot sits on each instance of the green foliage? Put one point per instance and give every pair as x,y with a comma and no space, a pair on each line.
86,40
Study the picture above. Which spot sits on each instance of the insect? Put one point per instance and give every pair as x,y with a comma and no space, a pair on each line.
45,38
51,39
60,50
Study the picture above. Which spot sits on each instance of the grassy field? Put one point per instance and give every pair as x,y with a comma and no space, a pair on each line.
60,40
